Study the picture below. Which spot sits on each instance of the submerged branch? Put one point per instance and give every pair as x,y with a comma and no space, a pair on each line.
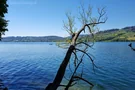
72,79
130,45
83,80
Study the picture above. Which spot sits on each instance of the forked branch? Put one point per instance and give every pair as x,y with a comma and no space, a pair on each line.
83,80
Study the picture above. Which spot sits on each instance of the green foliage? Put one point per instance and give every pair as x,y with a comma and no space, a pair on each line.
3,22
116,35
3,25
3,7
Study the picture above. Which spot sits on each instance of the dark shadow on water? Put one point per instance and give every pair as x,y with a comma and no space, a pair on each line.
2,86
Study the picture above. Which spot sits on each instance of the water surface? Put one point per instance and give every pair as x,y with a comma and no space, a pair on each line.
31,65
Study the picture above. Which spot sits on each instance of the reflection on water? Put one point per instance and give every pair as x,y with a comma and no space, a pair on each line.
31,66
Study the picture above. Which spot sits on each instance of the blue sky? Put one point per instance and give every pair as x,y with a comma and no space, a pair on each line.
45,17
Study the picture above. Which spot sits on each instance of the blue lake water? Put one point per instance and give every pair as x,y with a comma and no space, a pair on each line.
32,65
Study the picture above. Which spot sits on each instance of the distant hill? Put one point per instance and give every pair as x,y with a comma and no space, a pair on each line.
124,34
32,39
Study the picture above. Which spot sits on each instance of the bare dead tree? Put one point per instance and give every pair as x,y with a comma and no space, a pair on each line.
88,23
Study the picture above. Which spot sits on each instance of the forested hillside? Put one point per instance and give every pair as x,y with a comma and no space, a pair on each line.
124,34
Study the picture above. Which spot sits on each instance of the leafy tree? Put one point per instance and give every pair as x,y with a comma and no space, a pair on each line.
3,22
89,24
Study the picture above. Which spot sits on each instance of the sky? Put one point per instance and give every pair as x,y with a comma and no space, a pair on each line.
45,17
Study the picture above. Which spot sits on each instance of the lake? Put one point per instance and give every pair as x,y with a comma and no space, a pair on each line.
32,65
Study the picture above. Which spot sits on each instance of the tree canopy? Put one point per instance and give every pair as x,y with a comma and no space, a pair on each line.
3,21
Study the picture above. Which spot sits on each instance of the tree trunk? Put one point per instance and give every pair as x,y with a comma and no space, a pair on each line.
61,71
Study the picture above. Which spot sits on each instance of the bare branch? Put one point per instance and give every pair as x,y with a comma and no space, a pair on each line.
130,45
85,44
83,28
66,78
62,85
101,13
69,26
83,80
88,56
70,68
76,58
84,53
73,84
71,80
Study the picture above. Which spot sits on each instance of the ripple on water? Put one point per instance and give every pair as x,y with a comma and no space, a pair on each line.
31,66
